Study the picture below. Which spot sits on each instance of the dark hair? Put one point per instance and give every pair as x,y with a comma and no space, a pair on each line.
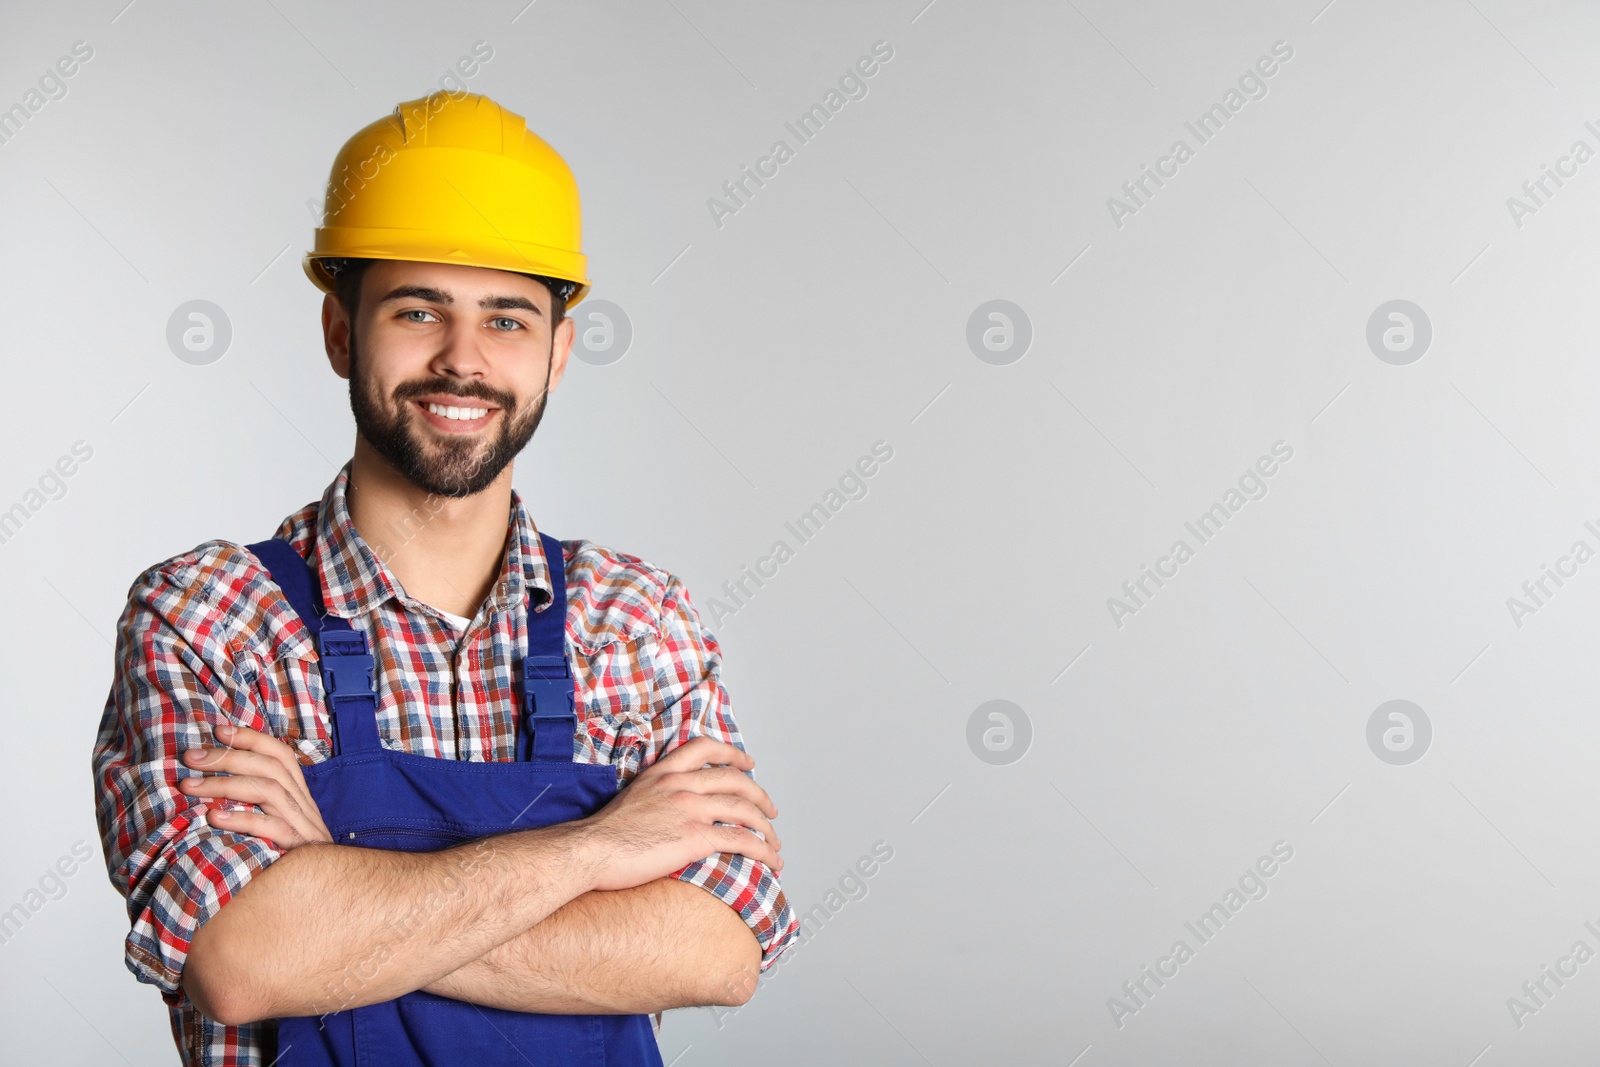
347,275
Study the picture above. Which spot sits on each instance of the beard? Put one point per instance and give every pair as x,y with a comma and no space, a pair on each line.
445,466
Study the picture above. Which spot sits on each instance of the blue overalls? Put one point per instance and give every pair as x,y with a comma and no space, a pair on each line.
375,797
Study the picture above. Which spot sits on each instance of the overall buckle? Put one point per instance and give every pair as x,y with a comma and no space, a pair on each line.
549,708
347,663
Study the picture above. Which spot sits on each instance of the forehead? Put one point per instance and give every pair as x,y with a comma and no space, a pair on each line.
467,285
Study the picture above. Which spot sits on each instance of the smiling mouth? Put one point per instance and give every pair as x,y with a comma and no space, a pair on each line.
455,418
458,413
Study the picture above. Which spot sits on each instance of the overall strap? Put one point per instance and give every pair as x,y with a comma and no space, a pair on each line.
346,660
549,717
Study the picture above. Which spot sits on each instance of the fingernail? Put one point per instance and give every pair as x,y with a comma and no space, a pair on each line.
225,730
219,813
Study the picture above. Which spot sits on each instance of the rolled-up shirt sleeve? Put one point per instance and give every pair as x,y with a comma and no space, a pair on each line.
177,679
695,704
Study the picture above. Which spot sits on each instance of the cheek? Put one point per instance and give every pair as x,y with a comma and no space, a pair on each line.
379,386
531,386
393,354
362,380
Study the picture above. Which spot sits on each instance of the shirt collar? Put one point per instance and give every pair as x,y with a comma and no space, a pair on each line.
356,580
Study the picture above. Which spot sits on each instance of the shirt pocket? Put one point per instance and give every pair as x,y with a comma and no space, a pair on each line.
289,689
616,698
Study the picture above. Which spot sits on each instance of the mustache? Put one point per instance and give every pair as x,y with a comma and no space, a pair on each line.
464,390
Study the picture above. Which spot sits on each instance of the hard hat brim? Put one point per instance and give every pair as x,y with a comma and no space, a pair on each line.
316,269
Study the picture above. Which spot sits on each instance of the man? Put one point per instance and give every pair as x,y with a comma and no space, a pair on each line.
411,668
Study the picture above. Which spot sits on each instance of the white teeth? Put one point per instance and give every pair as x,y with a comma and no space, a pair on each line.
463,414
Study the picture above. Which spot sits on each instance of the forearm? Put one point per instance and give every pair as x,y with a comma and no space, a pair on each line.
328,927
665,944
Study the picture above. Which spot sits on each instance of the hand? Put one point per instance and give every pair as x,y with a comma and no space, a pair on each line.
666,818
260,770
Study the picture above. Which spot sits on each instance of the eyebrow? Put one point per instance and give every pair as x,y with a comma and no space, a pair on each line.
439,296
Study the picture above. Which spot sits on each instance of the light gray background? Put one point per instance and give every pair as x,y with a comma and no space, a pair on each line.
831,312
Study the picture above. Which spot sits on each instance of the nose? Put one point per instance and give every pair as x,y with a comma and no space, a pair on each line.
460,355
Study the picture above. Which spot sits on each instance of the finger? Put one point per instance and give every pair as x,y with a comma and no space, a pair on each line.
243,737
699,751
698,819
738,810
703,812
742,842
708,780
237,761
268,794
240,762
244,789
730,780
274,831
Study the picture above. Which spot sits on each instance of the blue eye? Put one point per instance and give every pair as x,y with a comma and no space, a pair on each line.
415,311
504,318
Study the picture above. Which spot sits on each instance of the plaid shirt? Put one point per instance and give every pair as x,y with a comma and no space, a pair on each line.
207,638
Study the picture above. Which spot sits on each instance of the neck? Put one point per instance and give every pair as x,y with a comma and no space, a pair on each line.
445,551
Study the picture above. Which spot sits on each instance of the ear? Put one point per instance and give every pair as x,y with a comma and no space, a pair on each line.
560,350
336,335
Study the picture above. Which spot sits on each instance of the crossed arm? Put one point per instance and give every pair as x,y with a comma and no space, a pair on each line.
575,918
665,944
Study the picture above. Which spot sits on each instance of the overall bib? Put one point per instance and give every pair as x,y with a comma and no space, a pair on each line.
375,797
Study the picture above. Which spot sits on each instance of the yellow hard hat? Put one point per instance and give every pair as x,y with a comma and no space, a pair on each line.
452,178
